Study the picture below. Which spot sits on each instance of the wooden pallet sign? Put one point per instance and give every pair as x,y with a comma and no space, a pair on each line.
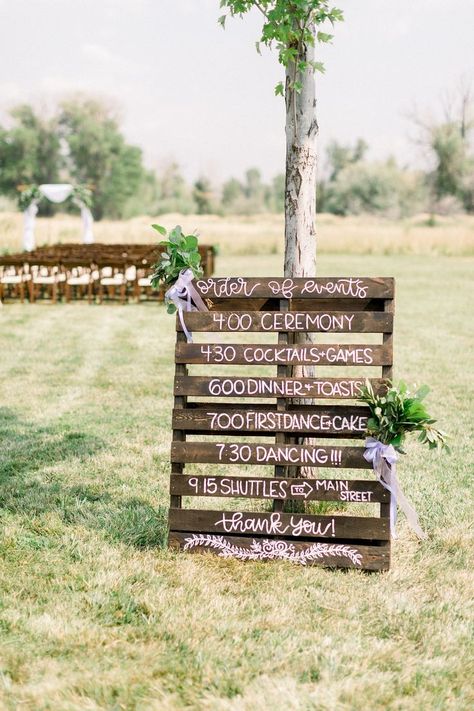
305,433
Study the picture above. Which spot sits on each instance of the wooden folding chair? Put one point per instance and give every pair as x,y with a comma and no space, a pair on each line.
111,280
44,283
79,284
12,282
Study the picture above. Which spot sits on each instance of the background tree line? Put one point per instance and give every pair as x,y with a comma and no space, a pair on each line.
82,142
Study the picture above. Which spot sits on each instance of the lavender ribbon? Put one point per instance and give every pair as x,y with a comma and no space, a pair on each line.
182,294
384,461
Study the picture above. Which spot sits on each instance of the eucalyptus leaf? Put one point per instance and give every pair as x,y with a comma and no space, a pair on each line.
422,392
191,243
399,412
160,229
175,238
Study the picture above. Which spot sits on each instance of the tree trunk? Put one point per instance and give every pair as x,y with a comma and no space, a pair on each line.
300,181
300,203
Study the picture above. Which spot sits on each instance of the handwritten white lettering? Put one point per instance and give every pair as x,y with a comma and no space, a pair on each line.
287,421
278,454
226,286
273,524
287,288
272,387
348,355
284,321
343,287
276,488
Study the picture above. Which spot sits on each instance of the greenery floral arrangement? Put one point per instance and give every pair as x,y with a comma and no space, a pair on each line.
82,194
28,194
398,412
181,254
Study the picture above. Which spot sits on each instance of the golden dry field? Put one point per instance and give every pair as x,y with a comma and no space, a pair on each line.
263,234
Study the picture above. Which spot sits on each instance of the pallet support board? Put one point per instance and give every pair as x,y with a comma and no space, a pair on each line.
345,554
278,387
278,488
180,402
280,524
335,354
387,372
284,320
281,469
278,453
312,420
358,288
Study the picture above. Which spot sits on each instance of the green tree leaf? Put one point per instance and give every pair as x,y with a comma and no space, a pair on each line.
324,37
319,67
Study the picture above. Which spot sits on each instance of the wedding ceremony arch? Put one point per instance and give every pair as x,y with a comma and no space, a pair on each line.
31,196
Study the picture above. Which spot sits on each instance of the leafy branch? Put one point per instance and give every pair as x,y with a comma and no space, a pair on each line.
290,26
181,253
398,412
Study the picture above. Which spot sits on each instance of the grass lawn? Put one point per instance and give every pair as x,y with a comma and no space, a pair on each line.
95,614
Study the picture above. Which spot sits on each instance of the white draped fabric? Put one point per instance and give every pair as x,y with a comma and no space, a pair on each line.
55,193
58,192
87,222
29,227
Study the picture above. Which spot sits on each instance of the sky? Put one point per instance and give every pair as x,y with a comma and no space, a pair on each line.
190,92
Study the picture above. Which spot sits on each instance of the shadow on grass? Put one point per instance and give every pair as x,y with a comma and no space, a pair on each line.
27,449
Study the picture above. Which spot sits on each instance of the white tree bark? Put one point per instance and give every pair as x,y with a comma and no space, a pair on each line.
300,184
300,200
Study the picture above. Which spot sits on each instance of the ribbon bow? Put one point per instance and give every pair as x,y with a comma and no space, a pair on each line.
182,294
384,461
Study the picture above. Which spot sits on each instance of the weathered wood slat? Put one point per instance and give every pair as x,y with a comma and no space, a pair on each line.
387,372
293,321
337,408
320,305
341,555
273,454
314,303
286,288
180,402
325,354
284,338
327,388
350,490
311,420
279,524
